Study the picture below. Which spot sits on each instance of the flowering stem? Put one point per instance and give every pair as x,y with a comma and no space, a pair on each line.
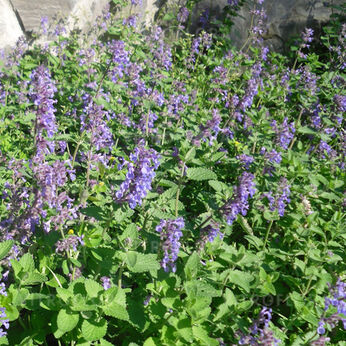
267,234
178,191
297,124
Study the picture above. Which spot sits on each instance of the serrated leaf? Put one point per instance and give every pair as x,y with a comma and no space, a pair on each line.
115,303
54,283
93,288
240,278
27,263
191,266
95,212
5,248
216,185
144,263
201,335
63,293
92,330
131,258
199,174
67,321
33,279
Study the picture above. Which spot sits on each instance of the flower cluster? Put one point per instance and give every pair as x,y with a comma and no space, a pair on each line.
69,243
106,282
239,203
338,301
3,317
281,198
170,233
141,171
307,37
42,95
208,234
210,130
183,15
245,160
284,133
259,332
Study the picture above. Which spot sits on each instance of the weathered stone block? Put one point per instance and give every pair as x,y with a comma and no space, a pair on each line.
10,29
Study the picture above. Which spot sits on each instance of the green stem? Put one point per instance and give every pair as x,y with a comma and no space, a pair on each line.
178,191
121,269
267,234
308,286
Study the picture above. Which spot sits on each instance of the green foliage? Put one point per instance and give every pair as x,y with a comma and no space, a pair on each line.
94,271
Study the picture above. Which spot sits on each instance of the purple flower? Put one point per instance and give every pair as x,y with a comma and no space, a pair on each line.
259,332
106,282
3,317
340,101
204,18
42,95
337,299
208,234
69,243
141,171
130,21
44,24
210,130
245,160
120,59
264,53
239,203
183,15
284,132
307,37
170,233
281,198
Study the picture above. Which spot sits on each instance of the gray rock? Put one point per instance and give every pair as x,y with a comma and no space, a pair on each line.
10,29
31,12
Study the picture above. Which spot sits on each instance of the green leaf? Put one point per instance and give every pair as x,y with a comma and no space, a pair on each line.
190,154
152,342
131,258
93,288
95,212
92,330
199,288
306,130
144,263
27,263
54,283
33,279
115,303
240,278
5,248
216,185
191,266
66,320
200,174
201,335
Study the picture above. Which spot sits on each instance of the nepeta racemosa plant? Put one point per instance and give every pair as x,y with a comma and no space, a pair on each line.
158,191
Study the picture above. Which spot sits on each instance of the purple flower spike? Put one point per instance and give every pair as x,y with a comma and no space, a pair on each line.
170,233
239,204
183,15
141,171
259,332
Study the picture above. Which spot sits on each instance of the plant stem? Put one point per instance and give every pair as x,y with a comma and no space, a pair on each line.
178,191
267,234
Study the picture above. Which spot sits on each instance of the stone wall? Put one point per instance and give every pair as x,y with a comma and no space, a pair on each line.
285,17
